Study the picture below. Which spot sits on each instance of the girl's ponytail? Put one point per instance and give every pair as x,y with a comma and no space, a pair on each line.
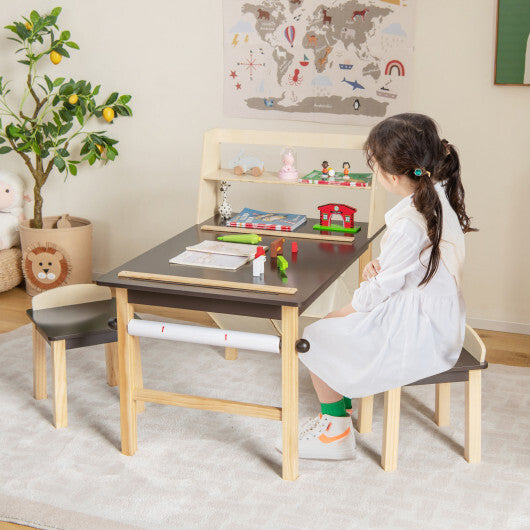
448,171
409,144
428,203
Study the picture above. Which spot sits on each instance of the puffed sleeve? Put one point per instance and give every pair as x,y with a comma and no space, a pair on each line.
399,257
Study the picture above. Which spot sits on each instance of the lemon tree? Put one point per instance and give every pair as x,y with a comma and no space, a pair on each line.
62,108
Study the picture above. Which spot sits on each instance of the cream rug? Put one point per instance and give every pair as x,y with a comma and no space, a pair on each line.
201,469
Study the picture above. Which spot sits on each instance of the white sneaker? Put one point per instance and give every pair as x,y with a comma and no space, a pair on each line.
326,437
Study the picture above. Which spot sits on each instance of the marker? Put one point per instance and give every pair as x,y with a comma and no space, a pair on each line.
251,239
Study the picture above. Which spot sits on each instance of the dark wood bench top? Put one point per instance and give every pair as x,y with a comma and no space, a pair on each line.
459,372
79,325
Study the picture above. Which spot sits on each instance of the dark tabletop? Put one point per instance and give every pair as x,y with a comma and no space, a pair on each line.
314,268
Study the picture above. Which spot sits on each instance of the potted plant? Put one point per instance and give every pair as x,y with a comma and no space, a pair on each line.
49,120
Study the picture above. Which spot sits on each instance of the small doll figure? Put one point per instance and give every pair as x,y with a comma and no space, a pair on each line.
288,171
346,170
325,168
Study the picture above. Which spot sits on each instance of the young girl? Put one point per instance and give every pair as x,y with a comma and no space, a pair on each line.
407,320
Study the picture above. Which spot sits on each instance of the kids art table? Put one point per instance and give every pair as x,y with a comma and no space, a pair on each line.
317,264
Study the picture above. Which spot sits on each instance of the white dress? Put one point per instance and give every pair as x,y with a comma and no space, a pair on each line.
400,332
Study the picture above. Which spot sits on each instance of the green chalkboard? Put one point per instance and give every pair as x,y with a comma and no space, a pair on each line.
513,43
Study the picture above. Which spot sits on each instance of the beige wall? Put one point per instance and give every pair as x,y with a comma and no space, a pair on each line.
168,55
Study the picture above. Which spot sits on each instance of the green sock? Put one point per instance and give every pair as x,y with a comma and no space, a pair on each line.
334,409
347,402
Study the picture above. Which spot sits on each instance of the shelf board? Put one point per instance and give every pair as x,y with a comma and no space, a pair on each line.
269,177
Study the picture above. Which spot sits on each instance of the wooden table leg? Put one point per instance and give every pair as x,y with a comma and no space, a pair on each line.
126,356
60,408
231,354
111,361
364,259
138,375
289,393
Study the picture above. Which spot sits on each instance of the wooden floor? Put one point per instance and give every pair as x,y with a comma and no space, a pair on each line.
502,348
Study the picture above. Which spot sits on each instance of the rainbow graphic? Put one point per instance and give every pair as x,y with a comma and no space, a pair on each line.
395,65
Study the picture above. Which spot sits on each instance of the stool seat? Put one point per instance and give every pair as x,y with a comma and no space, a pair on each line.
459,372
78,325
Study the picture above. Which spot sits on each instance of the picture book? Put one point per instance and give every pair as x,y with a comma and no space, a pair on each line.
358,180
210,260
248,218
217,255
223,247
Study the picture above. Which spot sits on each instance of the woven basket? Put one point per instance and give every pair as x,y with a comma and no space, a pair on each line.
10,268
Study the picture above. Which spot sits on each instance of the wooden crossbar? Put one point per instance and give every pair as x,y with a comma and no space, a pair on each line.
273,233
204,282
204,403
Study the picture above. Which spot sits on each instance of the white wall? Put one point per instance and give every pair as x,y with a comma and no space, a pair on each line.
168,55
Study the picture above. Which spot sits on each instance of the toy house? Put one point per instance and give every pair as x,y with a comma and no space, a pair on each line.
327,211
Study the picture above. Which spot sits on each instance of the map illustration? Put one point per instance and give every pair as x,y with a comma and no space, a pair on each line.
345,61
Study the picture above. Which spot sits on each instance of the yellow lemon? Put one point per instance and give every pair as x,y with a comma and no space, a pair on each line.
73,99
108,114
55,57
28,25
100,148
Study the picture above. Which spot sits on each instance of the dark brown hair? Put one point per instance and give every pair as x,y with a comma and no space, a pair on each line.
404,143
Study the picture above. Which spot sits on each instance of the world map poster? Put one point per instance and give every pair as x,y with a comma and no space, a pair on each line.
343,61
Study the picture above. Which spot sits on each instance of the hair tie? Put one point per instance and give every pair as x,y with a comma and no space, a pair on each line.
421,172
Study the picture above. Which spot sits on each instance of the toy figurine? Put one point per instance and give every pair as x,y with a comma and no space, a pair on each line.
288,170
346,170
325,169
243,164
225,208
258,265
277,247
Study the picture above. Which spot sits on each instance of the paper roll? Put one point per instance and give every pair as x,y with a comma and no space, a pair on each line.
202,335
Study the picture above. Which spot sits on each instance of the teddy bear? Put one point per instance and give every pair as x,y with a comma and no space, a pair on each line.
12,199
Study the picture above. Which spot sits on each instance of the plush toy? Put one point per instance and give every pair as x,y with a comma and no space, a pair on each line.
241,164
12,199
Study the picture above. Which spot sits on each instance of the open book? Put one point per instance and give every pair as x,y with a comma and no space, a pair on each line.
216,255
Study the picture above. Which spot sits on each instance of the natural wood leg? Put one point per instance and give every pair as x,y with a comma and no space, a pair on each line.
230,354
138,377
39,365
60,408
472,450
365,257
364,419
289,393
125,312
391,429
442,407
111,360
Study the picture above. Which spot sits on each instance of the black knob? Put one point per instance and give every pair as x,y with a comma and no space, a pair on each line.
302,346
113,323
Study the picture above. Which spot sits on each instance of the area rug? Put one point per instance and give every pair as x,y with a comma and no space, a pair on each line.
202,469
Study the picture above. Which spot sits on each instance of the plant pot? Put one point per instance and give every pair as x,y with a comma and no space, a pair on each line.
53,257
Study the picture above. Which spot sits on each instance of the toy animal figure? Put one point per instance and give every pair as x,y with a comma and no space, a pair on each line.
225,208
242,164
12,199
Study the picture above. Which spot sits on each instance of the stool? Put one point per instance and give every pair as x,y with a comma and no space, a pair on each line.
468,368
71,317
